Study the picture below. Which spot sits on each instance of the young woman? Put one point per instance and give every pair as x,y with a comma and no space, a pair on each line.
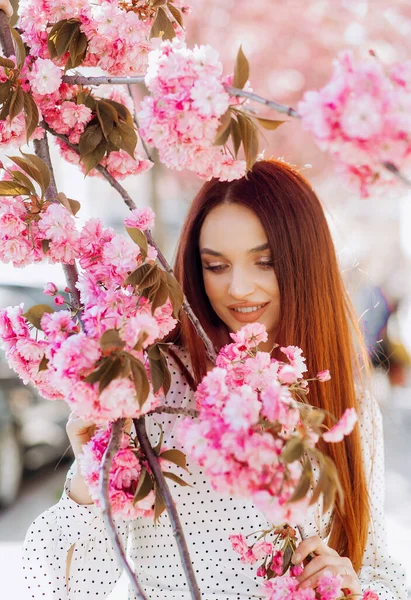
255,249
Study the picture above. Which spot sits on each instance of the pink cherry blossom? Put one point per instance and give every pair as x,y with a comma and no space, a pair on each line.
50,289
344,426
324,376
45,77
142,218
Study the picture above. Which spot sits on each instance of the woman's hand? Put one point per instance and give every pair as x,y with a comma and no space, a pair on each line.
6,7
325,559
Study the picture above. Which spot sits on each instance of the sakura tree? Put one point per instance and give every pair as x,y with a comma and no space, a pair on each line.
101,350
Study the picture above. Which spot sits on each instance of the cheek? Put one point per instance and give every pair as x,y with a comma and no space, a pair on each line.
212,287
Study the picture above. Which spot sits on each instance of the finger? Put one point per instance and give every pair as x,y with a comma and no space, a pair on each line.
322,562
313,544
346,578
6,7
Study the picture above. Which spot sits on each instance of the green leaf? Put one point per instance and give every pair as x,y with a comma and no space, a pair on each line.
250,139
235,136
12,188
176,14
75,206
32,115
241,70
140,379
20,50
23,179
34,314
31,170
124,137
304,483
122,111
175,293
159,504
160,375
224,129
90,139
140,239
45,246
5,108
5,91
16,103
111,341
175,456
92,159
43,366
7,63
144,486
112,371
293,450
63,37
160,295
77,48
175,478
107,116
162,26
269,123
144,277
157,447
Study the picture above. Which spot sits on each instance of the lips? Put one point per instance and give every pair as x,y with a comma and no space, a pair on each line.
247,313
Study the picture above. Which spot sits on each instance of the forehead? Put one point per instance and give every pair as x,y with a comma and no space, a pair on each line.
232,226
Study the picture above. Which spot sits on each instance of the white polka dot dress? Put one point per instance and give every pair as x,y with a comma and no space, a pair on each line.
207,519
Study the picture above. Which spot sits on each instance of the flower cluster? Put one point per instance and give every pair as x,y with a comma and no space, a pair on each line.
182,116
282,576
28,233
62,112
252,433
329,587
362,118
94,370
118,34
124,475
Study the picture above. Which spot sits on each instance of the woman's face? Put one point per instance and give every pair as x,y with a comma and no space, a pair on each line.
238,272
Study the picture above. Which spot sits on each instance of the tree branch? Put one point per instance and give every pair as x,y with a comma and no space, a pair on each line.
112,448
291,112
173,410
83,80
171,508
41,148
393,169
136,123
211,353
5,36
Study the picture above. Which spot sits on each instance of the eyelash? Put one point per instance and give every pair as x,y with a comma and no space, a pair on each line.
219,268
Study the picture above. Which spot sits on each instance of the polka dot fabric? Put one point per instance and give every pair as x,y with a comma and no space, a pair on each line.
207,519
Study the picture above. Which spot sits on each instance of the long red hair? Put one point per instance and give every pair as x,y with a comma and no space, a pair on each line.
316,313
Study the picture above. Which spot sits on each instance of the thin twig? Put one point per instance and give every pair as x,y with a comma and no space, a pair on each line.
136,123
291,112
173,410
108,456
5,36
41,148
211,353
393,169
170,505
83,80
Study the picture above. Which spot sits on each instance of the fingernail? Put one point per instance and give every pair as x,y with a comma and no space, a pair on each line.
296,558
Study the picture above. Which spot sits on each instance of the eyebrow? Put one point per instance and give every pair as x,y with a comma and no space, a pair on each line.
260,248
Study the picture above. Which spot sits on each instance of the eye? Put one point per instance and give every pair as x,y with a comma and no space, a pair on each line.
214,268
266,264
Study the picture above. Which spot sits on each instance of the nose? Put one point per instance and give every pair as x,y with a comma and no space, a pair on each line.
241,285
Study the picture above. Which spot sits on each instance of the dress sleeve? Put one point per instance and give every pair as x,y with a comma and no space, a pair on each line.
379,572
94,569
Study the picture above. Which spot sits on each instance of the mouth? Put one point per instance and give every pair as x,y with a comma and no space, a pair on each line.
246,314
